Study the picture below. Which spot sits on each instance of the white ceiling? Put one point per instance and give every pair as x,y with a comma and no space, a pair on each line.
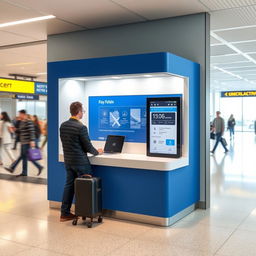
233,35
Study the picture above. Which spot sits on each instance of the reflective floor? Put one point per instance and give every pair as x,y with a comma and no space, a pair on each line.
29,227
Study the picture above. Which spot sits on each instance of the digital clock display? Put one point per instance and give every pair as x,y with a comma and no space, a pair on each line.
163,126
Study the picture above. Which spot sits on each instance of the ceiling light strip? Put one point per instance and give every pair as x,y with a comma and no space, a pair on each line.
18,22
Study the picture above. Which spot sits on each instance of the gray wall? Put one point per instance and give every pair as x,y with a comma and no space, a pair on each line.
186,36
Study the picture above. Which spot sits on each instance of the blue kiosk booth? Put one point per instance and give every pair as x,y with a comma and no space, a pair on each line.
136,187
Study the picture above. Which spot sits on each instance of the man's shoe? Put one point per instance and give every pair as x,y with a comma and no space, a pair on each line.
212,152
69,217
40,171
9,169
20,175
226,151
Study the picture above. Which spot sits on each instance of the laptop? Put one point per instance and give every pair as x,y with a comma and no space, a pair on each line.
114,144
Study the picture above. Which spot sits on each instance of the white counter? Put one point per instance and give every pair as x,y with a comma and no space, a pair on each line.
137,161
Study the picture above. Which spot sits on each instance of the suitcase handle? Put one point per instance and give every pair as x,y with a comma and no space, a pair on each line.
86,176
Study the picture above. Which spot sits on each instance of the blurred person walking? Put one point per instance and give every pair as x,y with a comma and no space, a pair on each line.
37,130
219,128
17,132
231,126
6,132
27,139
1,144
45,130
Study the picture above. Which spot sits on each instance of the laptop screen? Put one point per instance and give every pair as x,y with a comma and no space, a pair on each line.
114,144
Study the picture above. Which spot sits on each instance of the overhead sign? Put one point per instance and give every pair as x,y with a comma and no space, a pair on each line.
10,85
238,94
26,97
41,88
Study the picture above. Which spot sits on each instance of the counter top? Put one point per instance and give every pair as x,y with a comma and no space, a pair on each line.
137,161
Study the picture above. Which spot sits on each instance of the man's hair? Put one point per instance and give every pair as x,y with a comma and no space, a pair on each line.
23,111
75,107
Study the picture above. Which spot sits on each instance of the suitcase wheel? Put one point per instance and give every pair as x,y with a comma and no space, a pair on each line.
89,224
74,222
100,219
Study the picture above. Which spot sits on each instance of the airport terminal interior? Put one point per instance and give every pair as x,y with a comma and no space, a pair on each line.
146,71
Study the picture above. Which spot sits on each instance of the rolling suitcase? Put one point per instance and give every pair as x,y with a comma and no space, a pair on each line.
88,199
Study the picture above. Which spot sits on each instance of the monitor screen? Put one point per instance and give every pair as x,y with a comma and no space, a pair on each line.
164,127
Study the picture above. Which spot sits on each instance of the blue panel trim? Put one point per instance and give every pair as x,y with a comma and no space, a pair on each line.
155,193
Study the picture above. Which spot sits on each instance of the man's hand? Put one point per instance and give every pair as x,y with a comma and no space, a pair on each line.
101,151
32,144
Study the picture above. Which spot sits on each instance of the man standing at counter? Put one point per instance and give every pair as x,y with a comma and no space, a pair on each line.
76,144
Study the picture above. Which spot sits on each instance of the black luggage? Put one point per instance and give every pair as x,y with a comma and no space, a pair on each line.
88,199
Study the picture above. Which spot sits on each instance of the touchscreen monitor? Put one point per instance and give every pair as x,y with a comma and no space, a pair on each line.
164,127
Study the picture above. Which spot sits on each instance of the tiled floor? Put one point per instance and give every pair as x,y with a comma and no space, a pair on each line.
29,227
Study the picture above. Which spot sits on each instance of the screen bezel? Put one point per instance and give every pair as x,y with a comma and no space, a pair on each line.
179,126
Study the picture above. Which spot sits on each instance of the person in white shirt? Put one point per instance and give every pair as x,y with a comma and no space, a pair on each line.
6,138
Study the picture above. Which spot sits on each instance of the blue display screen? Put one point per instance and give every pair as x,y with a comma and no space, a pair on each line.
119,115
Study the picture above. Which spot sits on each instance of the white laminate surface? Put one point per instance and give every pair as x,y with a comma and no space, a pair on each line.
138,161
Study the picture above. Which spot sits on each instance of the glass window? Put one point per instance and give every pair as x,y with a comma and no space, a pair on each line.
233,106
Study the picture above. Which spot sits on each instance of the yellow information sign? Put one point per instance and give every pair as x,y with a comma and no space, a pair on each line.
10,85
239,94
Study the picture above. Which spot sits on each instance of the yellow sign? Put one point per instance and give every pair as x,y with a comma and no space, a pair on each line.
10,85
239,94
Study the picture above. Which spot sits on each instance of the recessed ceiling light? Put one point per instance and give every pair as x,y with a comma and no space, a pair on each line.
18,22
20,64
116,77
41,73
147,75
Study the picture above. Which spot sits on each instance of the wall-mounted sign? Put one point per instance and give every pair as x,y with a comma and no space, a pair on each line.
10,85
41,88
26,97
238,94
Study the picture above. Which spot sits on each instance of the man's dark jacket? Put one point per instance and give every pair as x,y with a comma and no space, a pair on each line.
76,143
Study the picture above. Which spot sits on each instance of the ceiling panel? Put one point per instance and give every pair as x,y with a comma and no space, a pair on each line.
214,5
231,18
238,64
253,55
10,12
7,38
241,69
214,41
89,14
152,9
27,60
238,34
247,46
39,30
226,59
221,50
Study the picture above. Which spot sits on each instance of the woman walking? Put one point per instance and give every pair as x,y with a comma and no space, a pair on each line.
231,126
6,131
37,130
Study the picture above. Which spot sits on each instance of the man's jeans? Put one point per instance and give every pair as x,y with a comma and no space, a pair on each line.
219,140
24,157
72,172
